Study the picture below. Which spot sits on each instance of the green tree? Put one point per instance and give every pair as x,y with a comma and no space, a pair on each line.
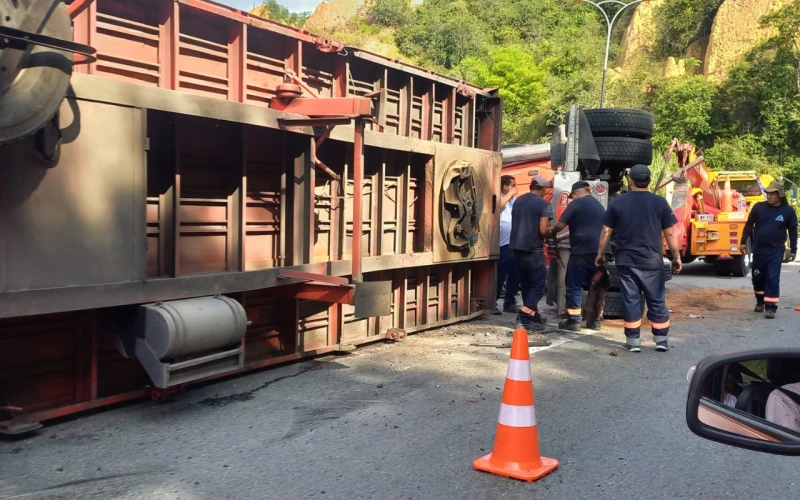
744,152
683,108
514,71
681,22
271,9
390,13
442,33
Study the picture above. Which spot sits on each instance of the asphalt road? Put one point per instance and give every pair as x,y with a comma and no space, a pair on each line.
406,421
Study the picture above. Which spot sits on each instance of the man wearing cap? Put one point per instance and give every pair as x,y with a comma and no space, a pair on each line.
530,225
506,268
638,218
584,217
767,227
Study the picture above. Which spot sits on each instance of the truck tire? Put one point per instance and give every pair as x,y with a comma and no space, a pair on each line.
722,268
620,122
624,152
742,264
613,305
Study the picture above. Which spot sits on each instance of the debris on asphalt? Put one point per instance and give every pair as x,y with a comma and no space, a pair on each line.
695,316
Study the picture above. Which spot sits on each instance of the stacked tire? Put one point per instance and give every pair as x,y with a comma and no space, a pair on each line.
622,137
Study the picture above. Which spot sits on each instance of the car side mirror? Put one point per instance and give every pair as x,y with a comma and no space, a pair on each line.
748,399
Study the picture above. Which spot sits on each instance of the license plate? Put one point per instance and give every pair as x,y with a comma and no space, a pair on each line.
705,217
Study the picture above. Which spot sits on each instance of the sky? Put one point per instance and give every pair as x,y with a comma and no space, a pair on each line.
292,5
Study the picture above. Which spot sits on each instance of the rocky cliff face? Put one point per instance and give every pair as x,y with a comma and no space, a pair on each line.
331,16
735,31
640,36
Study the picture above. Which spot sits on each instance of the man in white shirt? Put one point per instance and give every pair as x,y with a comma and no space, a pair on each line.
506,268
781,410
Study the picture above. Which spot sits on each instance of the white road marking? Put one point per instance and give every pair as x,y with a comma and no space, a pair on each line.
554,343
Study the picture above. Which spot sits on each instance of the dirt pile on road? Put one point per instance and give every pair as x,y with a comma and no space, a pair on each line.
698,301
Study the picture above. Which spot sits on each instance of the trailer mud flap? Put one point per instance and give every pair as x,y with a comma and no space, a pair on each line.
373,299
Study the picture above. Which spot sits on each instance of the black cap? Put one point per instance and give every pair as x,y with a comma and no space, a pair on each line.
580,185
639,173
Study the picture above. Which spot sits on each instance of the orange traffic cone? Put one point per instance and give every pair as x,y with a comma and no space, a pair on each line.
516,445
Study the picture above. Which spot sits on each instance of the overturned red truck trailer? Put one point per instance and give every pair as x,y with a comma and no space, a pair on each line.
190,192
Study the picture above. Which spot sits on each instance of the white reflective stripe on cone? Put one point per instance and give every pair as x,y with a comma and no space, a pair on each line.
517,416
519,370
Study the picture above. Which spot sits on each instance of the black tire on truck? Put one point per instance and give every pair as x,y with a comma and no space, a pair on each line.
620,122
624,152
613,305
722,268
742,264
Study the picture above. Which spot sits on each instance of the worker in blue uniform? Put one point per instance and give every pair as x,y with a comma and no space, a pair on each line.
767,228
584,218
638,218
530,225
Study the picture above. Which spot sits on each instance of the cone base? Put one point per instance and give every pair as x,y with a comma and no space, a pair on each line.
516,471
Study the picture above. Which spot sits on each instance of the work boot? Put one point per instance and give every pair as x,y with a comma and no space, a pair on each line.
496,311
529,323
511,309
570,325
759,308
662,346
631,348
592,325
769,314
539,319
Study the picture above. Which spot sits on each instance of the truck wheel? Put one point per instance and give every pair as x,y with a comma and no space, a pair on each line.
620,122
624,152
613,277
742,264
613,306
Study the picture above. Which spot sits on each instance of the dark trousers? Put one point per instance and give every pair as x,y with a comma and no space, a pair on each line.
533,277
507,275
580,270
648,282
767,278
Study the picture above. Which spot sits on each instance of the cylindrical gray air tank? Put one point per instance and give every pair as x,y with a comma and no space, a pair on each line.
190,326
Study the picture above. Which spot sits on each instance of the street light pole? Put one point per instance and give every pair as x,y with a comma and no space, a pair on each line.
609,26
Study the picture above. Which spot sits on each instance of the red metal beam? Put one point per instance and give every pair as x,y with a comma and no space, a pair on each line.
321,278
326,293
330,106
63,411
314,122
358,180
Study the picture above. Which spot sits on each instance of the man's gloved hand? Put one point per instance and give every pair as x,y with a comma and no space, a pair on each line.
791,257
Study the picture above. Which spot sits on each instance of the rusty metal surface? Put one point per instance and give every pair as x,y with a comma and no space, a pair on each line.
373,299
487,169
80,222
199,188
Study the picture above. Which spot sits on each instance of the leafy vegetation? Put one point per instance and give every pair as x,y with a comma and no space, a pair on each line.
271,9
544,55
682,22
